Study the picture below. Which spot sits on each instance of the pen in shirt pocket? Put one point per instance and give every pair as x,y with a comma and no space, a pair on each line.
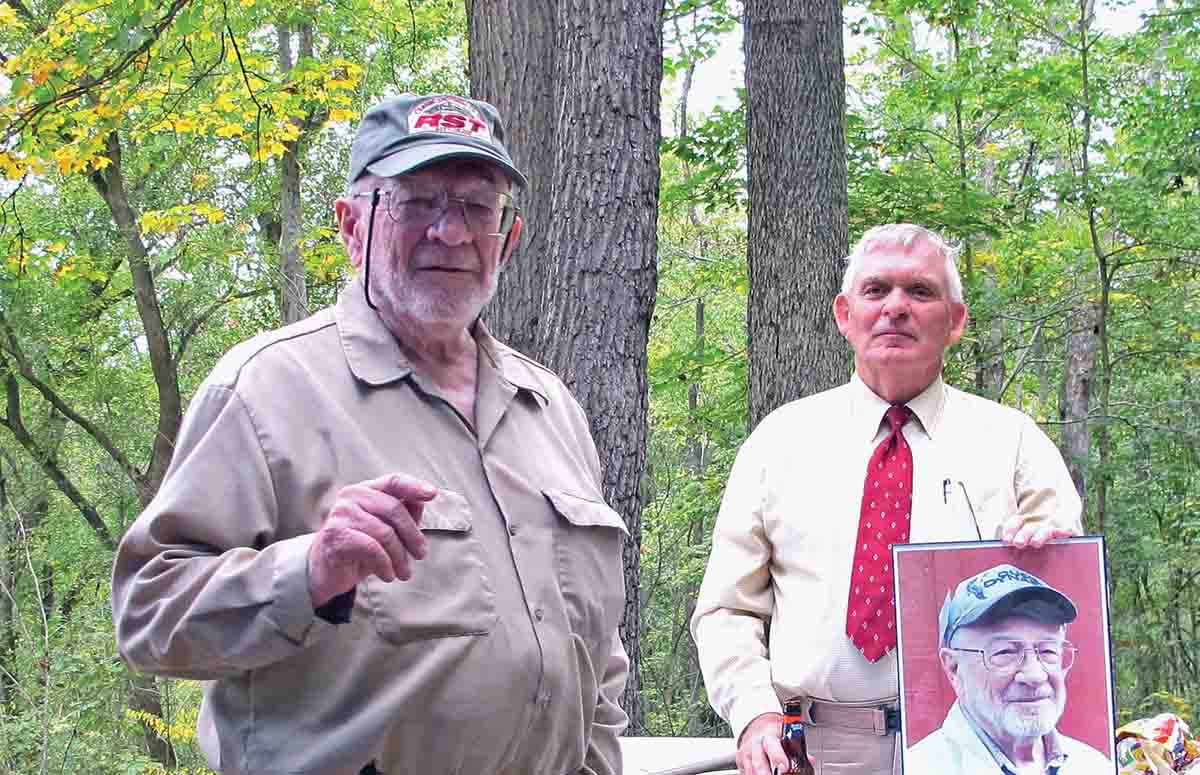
950,490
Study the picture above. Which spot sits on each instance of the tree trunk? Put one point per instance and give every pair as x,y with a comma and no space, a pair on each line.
798,232
8,585
1075,398
578,83
293,292
111,186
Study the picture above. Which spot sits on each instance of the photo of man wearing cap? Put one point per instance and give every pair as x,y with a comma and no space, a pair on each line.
382,541
1004,647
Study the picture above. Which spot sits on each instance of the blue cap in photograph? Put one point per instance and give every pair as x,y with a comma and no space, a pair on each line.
1000,591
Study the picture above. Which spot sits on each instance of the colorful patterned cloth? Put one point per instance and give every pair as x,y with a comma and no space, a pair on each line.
1161,745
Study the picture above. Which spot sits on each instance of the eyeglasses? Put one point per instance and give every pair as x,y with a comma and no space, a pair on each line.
1007,657
486,213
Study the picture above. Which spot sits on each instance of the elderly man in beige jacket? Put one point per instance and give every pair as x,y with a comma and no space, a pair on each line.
382,539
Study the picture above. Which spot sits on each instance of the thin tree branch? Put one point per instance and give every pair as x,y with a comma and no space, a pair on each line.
29,115
25,369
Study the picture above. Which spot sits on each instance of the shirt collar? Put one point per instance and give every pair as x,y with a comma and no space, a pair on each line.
374,357
1052,747
867,408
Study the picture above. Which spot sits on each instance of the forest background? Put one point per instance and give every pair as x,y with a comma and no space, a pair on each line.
167,173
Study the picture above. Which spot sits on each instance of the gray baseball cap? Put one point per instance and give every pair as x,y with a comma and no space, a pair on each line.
1000,591
406,133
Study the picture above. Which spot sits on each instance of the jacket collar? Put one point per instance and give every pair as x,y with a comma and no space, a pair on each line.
374,356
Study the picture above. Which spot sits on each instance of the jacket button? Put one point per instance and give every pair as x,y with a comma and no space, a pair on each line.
512,530
539,614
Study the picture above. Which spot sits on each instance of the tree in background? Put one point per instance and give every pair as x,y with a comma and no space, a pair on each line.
579,86
797,235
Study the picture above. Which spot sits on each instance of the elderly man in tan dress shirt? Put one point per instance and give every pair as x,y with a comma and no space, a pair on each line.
382,539
803,538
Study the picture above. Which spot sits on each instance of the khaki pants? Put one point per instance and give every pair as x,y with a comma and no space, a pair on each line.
850,752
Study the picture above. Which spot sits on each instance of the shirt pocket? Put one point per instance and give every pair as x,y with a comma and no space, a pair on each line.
591,572
449,594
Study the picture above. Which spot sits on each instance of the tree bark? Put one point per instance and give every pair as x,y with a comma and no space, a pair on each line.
798,231
293,290
111,186
578,82
1075,399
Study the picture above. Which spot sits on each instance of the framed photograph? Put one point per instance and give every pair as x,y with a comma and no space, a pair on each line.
1004,657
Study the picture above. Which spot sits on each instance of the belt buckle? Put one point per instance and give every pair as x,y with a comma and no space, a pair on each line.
886,720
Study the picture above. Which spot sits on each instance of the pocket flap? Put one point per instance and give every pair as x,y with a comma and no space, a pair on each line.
582,512
448,511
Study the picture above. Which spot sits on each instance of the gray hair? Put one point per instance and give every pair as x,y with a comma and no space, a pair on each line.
905,235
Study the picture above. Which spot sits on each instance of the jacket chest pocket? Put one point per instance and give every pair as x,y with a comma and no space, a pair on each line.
587,549
449,594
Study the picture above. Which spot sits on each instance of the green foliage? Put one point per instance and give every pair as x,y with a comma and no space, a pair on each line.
970,118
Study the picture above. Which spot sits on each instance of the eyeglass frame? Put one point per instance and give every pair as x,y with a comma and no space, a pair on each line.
1066,646
508,210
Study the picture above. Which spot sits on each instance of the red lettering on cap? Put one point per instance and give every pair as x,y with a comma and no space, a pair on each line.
429,119
477,125
453,121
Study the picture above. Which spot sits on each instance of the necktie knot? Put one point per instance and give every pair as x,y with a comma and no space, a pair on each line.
896,417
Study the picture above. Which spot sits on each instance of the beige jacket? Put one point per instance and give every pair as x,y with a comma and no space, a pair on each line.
500,655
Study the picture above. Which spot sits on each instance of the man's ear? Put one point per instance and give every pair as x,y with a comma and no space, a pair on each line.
951,665
841,312
349,222
511,239
958,321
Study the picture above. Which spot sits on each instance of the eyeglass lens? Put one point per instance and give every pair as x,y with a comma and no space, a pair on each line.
484,212
1054,656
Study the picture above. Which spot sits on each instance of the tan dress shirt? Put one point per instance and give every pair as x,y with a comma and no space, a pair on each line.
499,655
784,538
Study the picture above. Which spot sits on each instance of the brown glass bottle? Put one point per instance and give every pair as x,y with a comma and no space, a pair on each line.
794,744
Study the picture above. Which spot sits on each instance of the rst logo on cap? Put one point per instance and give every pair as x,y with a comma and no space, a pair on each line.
448,114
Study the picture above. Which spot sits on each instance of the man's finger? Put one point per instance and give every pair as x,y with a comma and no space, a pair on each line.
404,525
404,487
777,759
386,547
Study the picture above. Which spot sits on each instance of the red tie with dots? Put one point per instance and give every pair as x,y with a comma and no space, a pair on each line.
883,521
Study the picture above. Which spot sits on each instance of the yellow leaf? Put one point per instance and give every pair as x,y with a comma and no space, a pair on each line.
9,18
230,130
215,216
341,114
10,167
66,156
288,131
42,73
100,162
57,247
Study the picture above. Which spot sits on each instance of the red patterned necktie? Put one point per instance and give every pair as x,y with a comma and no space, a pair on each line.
883,520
